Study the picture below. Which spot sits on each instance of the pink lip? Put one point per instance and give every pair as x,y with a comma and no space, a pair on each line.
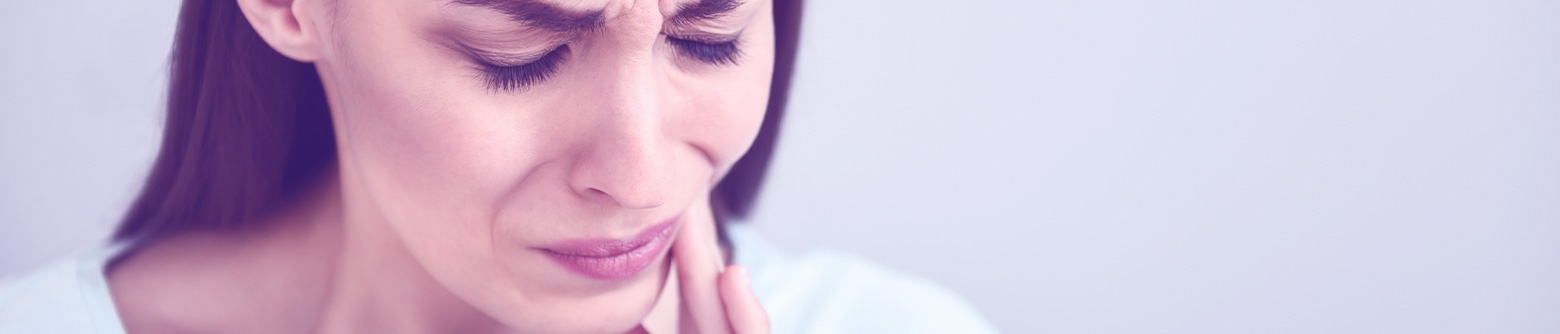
613,259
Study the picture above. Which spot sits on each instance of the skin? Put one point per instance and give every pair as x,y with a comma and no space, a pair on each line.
445,188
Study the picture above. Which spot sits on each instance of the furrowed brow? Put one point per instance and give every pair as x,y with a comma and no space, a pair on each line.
703,10
537,13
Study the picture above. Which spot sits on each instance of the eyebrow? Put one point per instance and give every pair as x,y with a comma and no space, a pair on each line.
703,10
540,14
543,15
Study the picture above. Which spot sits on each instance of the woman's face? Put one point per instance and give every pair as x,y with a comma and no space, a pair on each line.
507,142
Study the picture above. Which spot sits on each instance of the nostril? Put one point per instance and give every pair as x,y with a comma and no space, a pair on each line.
598,194
628,170
627,202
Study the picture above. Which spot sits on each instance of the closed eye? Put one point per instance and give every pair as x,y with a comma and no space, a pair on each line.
714,53
514,78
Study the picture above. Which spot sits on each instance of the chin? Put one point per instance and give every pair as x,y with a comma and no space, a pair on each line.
617,310
596,317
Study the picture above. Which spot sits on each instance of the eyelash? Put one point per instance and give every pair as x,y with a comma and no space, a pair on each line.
514,78
517,77
714,53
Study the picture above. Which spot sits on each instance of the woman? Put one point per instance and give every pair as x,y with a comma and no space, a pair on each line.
456,166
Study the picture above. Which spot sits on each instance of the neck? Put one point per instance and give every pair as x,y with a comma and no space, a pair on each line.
377,286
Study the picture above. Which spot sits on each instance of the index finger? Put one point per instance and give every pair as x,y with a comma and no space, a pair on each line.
699,265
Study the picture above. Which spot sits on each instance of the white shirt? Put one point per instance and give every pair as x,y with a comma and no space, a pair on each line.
825,292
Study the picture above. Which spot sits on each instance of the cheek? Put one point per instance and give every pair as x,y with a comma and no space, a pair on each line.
408,134
413,129
435,162
418,153
725,123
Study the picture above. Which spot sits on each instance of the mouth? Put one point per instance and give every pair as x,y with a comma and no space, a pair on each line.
613,259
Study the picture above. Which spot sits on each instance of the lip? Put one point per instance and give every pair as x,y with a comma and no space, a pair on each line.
613,259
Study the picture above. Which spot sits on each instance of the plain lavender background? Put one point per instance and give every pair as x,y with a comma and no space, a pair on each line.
1168,166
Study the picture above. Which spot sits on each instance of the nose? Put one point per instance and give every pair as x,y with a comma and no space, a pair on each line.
627,160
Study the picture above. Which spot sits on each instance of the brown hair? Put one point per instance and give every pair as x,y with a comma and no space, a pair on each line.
248,128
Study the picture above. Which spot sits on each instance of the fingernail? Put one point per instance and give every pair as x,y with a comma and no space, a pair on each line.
742,276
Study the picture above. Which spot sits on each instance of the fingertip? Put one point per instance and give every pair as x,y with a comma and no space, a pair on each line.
742,306
741,276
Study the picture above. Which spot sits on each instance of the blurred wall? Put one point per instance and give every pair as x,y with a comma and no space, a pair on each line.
81,92
1184,166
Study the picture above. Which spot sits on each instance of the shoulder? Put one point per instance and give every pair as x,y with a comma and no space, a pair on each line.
63,297
186,283
835,292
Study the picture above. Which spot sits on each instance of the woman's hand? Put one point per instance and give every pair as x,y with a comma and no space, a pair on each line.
716,299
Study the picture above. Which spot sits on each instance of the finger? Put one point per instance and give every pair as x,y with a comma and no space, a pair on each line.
698,267
742,307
